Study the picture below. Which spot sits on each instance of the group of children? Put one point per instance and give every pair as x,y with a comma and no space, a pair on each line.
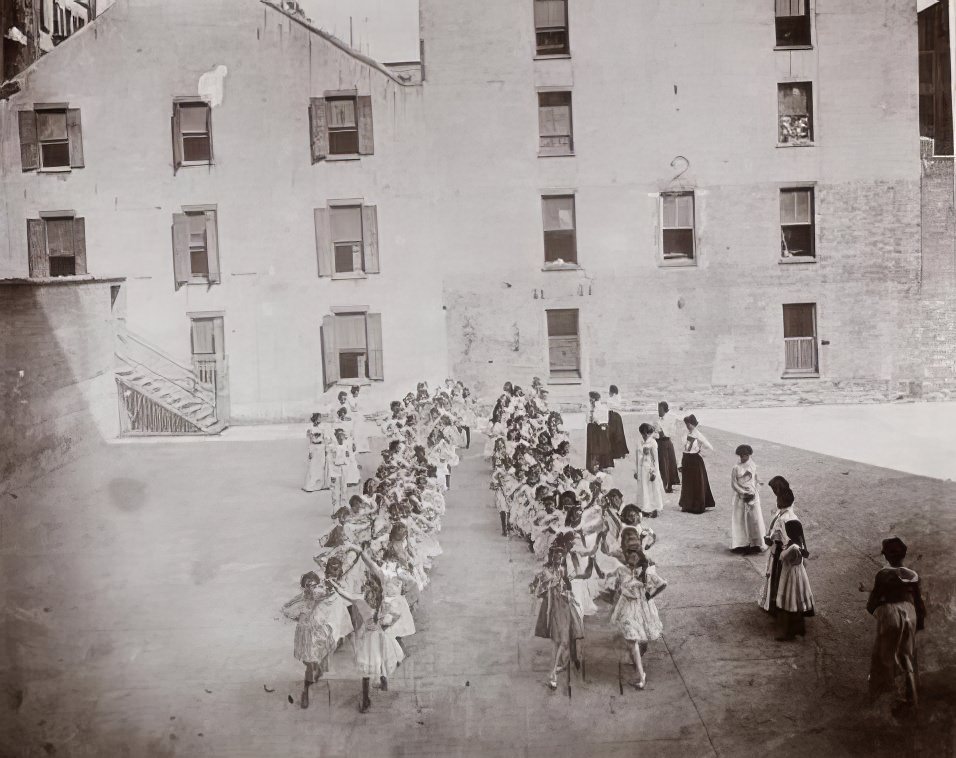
593,546
374,562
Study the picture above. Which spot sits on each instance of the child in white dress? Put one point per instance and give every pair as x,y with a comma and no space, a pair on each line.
635,615
747,526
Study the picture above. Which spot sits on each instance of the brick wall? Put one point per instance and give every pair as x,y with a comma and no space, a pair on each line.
938,294
57,392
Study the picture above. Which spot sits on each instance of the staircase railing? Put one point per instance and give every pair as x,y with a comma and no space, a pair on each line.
139,354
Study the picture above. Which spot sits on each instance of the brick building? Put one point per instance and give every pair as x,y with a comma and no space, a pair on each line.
588,192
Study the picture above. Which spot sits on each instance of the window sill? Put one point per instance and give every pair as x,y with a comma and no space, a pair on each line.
561,267
199,281
344,157
797,259
363,382
814,375
565,380
189,164
350,275
796,144
678,263
553,57
793,47
54,170
556,155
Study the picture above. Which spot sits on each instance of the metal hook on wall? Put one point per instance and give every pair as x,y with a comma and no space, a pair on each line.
682,164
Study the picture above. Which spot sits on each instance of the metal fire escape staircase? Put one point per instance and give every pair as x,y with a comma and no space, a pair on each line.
157,395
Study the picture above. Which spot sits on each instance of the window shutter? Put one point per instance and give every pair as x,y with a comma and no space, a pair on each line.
318,129
182,266
370,238
36,245
212,247
29,150
373,331
177,127
323,243
209,132
75,135
366,139
79,245
330,353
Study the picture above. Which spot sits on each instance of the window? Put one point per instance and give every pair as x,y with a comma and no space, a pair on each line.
51,138
44,16
56,245
340,125
346,239
192,134
352,346
795,113
196,246
68,26
551,27
564,345
560,242
793,23
677,226
800,339
796,222
554,123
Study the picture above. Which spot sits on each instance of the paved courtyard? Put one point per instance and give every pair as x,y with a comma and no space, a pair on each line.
142,590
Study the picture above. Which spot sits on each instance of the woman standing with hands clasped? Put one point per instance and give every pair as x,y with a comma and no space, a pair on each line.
746,526
648,474
695,496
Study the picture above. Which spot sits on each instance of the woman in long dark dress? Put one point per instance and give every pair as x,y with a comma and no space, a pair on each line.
695,496
615,425
598,444
667,431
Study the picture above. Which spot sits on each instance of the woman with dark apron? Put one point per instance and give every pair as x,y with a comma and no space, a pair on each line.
667,431
695,496
598,445
615,425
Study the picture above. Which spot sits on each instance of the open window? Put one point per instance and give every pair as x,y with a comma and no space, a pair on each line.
560,235
792,21
352,347
346,239
192,133
340,125
795,113
800,340
51,138
796,223
196,246
551,27
56,245
678,237
564,344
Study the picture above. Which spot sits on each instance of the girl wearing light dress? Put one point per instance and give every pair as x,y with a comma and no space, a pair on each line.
317,612
391,577
376,651
648,474
746,527
559,615
317,474
794,596
635,615
361,425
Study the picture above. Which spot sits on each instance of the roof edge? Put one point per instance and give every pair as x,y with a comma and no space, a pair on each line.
336,42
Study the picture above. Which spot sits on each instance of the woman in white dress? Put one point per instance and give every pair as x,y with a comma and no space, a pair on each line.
346,424
317,475
746,527
648,473
361,431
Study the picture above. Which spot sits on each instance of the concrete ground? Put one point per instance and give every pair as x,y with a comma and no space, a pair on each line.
142,590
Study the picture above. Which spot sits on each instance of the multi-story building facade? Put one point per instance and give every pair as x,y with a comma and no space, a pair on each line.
692,202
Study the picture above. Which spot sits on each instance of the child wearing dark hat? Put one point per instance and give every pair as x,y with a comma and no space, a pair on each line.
746,525
897,605
775,538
